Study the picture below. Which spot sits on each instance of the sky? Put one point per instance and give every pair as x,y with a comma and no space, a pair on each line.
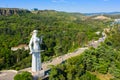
82,6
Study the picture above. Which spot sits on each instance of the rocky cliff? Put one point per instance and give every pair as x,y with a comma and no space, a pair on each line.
11,11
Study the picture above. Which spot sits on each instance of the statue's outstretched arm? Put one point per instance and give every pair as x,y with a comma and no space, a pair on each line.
30,46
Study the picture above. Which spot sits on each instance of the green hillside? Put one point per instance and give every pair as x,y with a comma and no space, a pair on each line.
102,63
63,32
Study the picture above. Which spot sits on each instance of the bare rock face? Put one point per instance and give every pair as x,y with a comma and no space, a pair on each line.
12,11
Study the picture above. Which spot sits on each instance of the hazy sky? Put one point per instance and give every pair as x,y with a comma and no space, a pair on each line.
84,6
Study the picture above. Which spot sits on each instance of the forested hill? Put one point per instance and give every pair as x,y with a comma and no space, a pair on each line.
102,63
63,32
18,11
103,13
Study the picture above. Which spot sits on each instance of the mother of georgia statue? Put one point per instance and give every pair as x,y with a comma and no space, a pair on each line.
34,46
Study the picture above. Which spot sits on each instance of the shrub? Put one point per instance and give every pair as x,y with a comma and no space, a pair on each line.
23,76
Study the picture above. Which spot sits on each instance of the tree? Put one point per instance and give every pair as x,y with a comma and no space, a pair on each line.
88,76
23,76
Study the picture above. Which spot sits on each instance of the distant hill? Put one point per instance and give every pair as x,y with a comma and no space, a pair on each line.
56,12
101,17
102,13
12,11
17,11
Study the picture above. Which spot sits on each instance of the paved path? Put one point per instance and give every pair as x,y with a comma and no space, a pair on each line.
62,58
57,60
7,74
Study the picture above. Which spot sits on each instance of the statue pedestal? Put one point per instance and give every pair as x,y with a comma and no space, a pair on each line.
41,73
38,74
